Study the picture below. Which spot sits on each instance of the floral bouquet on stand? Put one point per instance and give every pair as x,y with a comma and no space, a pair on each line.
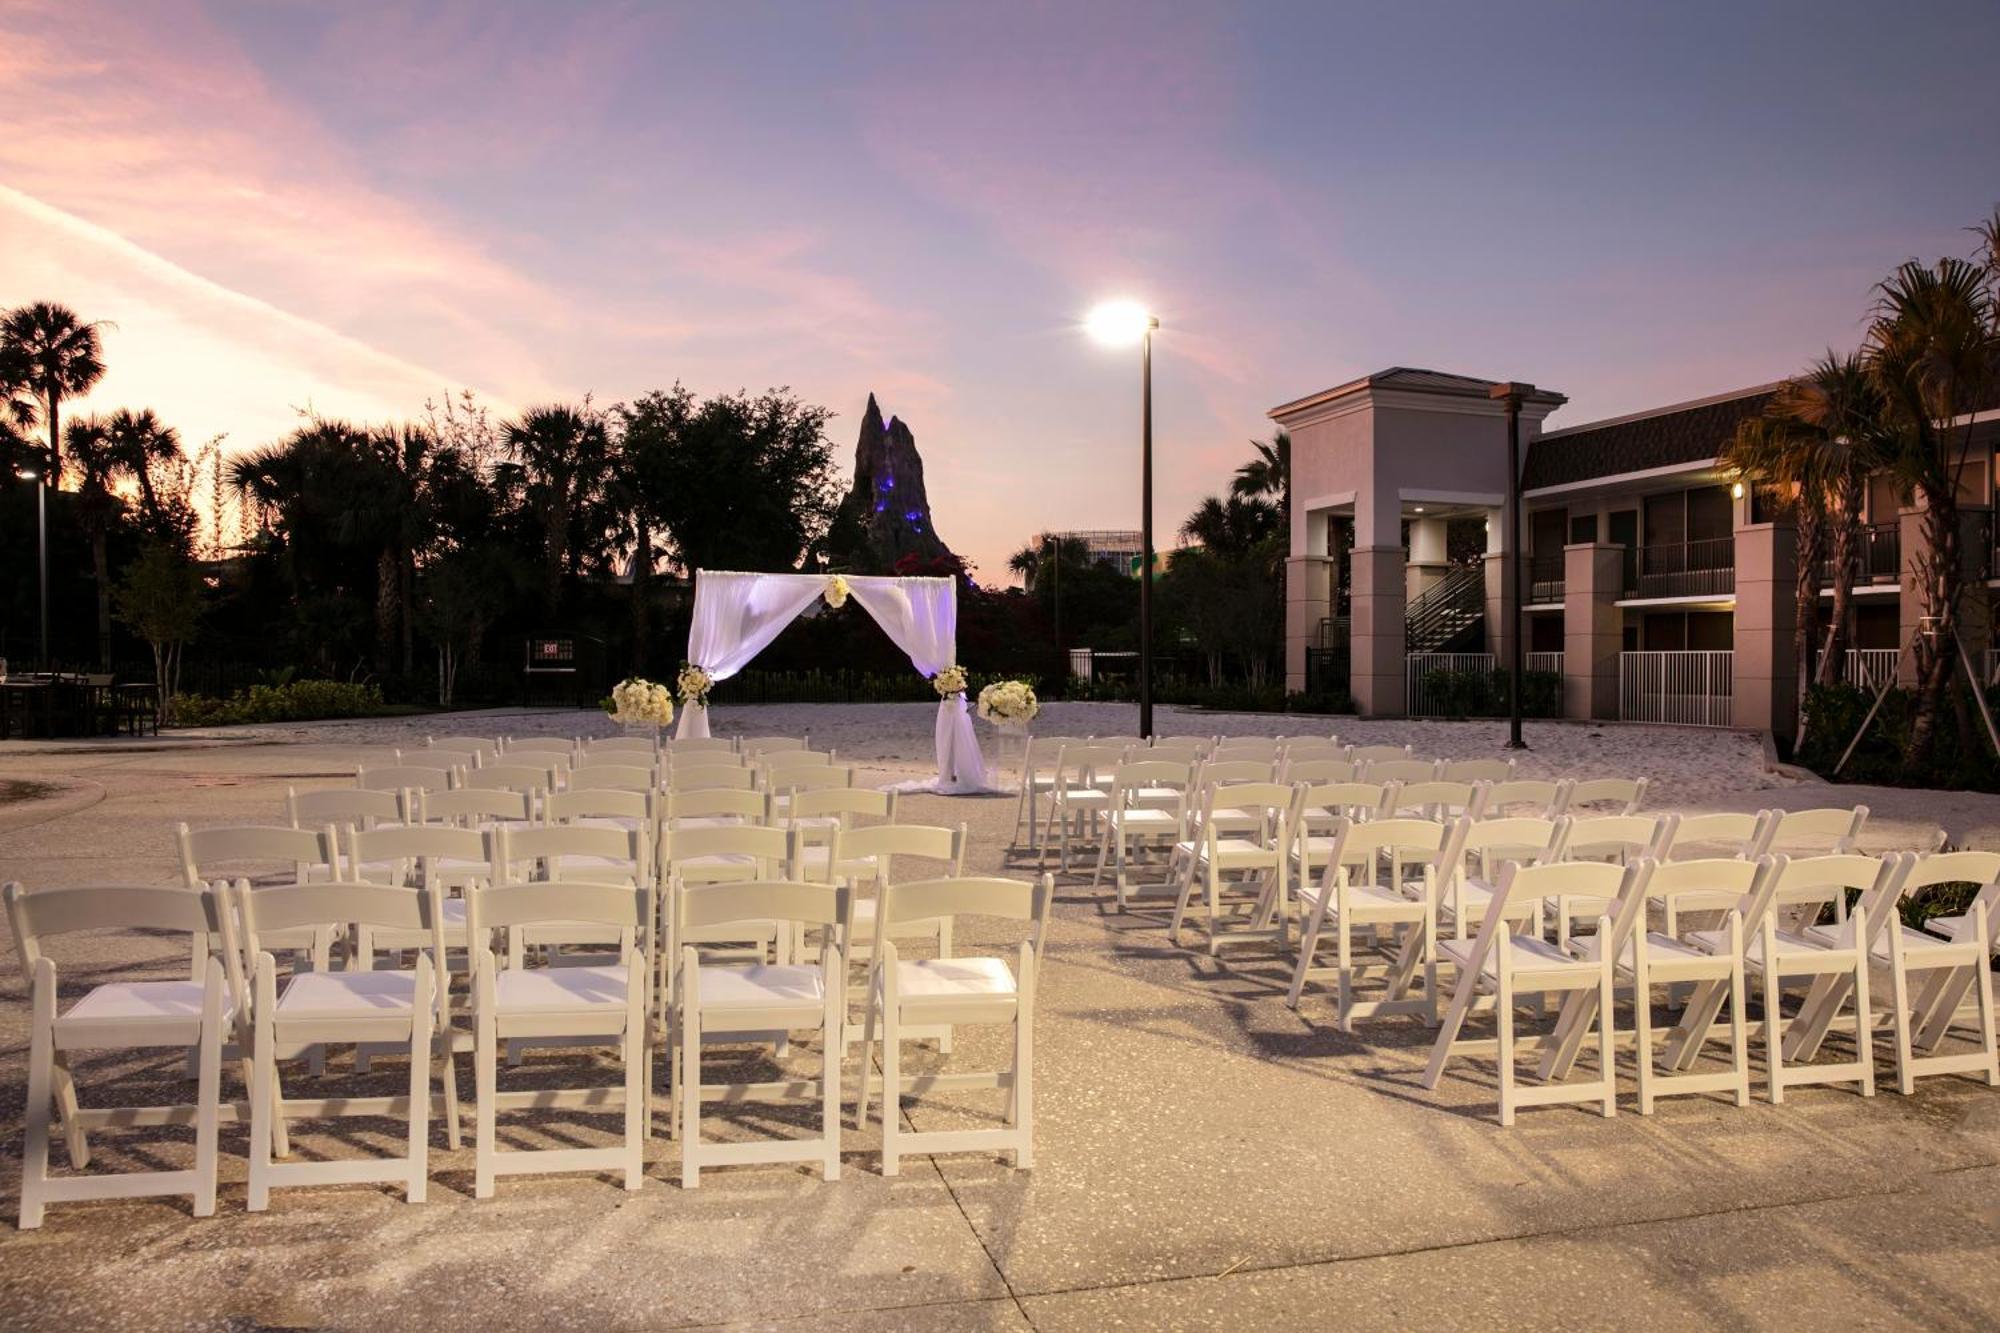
640,705
1008,703
950,681
693,684
836,592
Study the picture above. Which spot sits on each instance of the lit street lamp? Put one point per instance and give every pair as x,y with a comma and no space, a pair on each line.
42,530
1120,324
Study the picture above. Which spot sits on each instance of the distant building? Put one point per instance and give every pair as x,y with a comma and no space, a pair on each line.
1107,546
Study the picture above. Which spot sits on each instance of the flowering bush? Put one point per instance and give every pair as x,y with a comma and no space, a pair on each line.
1008,701
637,700
293,701
836,592
949,681
694,685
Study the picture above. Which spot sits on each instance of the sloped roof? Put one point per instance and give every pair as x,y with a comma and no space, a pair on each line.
1686,433
1411,379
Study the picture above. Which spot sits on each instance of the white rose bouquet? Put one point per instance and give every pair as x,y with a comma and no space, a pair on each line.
949,681
1008,701
636,701
694,685
836,592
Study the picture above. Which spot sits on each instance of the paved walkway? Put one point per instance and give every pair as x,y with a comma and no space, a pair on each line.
1204,1155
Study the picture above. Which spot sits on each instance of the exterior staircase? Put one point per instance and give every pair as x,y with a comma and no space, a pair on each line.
1450,615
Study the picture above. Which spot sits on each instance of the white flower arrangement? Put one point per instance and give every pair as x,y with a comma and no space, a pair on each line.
637,701
949,681
836,592
1008,701
693,685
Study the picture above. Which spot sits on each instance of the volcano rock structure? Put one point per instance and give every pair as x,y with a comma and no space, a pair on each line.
886,517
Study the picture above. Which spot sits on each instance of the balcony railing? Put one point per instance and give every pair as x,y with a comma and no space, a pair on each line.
1705,568
1545,578
1693,688
1878,555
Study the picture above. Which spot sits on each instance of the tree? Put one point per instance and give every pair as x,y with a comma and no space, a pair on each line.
1268,476
459,599
559,458
17,409
1232,526
734,482
161,600
97,511
139,443
1776,455
1933,350
61,359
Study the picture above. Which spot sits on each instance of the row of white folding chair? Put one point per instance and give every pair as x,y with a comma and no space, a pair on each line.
538,778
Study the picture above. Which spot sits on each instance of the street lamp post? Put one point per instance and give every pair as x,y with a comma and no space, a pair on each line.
1122,323
1510,396
42,561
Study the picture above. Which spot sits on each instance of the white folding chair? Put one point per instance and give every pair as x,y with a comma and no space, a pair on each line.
473,807
1623,796
340,806
1944,999
753,746
1371,754
1351,904
1037,780
1530,797
612,777
711,777
483,746
599,1004
1476,770
643,750
532,779
1486,849
715,805
1829,831
209,854
1436,800
908,997
198,1015
1398,770
1503,965
1080,796
1147,813
1314,770
718,1000
399,777
681,748
404,1007
1619,839
1222,864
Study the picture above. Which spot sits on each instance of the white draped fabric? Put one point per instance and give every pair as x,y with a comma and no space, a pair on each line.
737,615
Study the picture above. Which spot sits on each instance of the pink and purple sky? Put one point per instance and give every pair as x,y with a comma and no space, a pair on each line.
360,206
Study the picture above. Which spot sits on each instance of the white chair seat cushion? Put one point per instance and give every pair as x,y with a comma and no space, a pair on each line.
1149,819
1717,942
1914,941
139,1002
760,985
1526,954
953,978
1946,925
1224,847
1358,896
347,994
1156,794
1083,796
548,990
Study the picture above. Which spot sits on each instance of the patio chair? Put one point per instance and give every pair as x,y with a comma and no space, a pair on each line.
1620,796
1436,800
1374,754
1038,778
340,806
1488,847
1531,797
716,805
1945,997
1221,863
399,777
1147,812
1081,795
1477,770
1619,839
1398,770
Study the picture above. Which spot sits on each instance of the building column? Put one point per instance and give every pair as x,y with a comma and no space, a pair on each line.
1496,585
1377,646
1766,668
1308,601
1593,628
1429,556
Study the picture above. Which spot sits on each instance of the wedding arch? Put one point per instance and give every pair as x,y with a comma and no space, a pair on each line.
736,616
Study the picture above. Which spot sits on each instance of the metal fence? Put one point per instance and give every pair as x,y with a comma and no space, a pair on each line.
1545,662
1694,688
1417,668
1705,568
1870,668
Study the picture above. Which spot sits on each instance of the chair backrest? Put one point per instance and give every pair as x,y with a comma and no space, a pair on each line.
1706,877
1315,747
1184,748
1982,868
1490,844
505,776
1521,885
396,777
677,759
773,759
1270,802
1164,774
35,915
1438,800
1216,772
538,750
555,844
757,745
1477,770
772,852
1398,770
343,805
1716,834
884,842
1371,754
621,907
1809,875
432,756
643,747
594,759
483,746
818,777
204,850
1613,837
718,803
349,902
969,895
411,846
1624,795
560,807
611,777
711,777
1228,750
471,806
1829,831
704,906
1349,800
843,803
1079,763
1316,770
1542,799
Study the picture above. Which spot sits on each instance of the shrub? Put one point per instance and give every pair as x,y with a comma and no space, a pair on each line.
1461,693
293,701
1961,758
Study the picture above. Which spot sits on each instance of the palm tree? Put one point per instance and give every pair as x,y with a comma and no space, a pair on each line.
1268,476
1933,351
97,508
1232,526
560,457
138,442
1836,412
17,407
61,359
1774,453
